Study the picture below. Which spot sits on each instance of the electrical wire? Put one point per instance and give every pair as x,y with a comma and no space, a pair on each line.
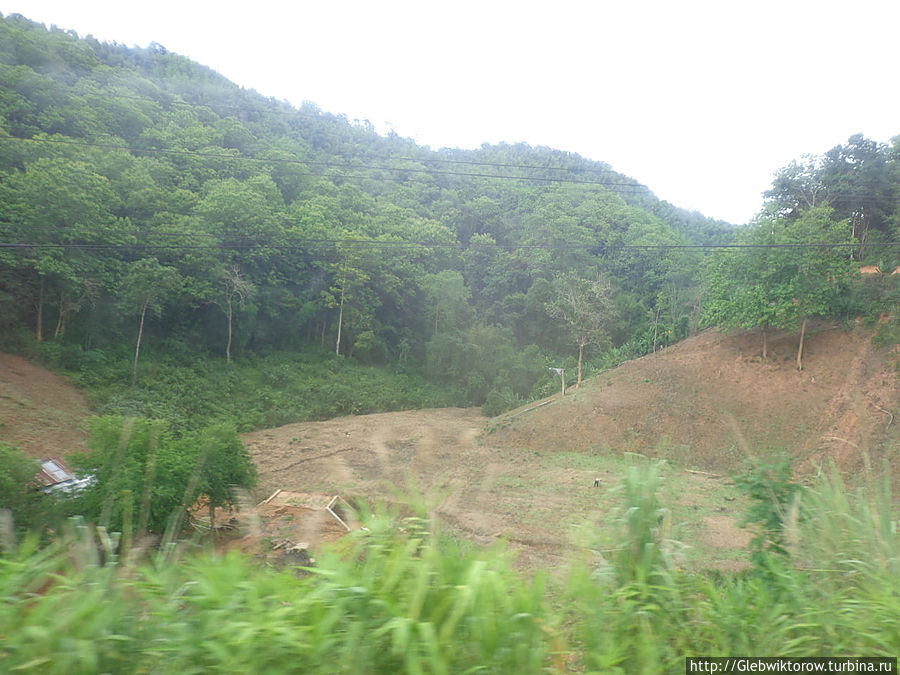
300,244
633,187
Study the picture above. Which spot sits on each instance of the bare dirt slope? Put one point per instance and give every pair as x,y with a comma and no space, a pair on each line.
711,401
528,477
40,412
535,500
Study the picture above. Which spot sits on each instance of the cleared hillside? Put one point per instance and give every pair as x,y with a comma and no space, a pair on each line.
40,412
528,477
711,401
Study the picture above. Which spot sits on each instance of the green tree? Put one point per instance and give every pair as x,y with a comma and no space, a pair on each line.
585,307
447,301
61,206
226,465
235,290
788,273
349,290
129,457
20,491
145,287
856,177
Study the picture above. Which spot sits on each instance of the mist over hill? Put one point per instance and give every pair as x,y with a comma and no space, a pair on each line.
151,206
148,187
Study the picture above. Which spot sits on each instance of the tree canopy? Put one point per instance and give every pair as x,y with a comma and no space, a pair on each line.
143,193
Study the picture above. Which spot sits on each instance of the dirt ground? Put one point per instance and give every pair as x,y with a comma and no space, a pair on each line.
527,477
541,504
711,402
40,412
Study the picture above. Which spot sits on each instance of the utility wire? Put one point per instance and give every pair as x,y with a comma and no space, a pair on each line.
629,186
178,99
300,244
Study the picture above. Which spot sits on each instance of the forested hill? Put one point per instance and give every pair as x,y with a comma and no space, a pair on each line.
147,201
144,194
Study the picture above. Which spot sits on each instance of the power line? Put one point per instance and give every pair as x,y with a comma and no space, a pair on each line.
300,244
628,186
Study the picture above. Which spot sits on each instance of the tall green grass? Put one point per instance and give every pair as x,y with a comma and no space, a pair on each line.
401,597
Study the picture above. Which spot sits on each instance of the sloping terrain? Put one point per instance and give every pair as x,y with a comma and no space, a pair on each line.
40,412
528,477
711,401
538,501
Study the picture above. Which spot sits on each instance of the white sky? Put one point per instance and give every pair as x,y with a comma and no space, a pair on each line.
701,101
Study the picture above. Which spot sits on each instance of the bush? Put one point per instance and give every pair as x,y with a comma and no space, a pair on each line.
141,468
20,491
771,488
252,393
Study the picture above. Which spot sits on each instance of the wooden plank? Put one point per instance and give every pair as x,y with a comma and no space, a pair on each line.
271,497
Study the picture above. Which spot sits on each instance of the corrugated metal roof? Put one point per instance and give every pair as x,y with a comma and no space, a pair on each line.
54,471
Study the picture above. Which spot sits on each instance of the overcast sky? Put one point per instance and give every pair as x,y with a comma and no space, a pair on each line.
700,101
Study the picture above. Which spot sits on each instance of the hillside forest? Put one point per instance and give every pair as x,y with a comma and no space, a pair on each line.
155,213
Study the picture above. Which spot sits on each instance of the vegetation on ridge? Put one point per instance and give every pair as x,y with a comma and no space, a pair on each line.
149,202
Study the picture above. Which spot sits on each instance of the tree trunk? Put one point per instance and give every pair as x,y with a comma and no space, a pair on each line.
137,347
800,348
212,517
40,317
580,355
61,319
655,329
38,334
765,343
149,476
337,344
229,314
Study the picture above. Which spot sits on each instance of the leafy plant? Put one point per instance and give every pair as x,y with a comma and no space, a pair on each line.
772,490
140,466
20,492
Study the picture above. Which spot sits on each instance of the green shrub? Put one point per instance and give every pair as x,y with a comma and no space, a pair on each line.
20,491
141,467
772,490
